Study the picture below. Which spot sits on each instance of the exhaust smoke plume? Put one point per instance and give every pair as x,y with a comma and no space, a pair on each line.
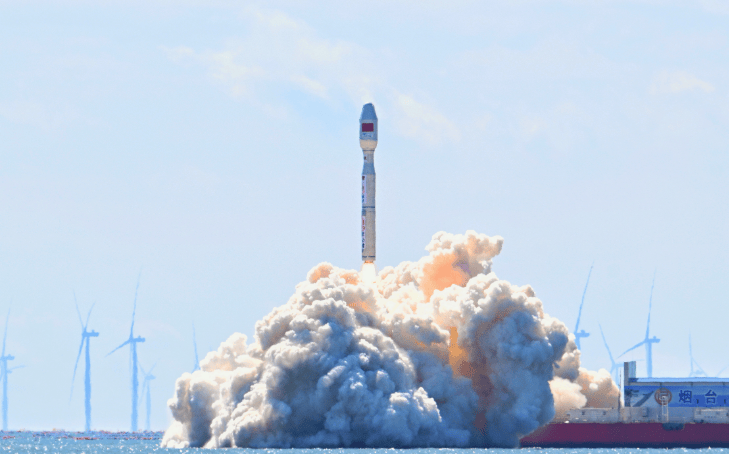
438,352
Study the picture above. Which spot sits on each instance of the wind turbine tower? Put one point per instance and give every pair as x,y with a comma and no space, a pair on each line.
194,346
699,372
145,386
648,341
583,333
132,342
613,365
4,371
85,339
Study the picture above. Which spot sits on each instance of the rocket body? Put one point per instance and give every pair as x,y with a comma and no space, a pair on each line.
368,143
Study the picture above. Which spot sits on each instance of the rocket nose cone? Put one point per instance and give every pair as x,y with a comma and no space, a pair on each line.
368,112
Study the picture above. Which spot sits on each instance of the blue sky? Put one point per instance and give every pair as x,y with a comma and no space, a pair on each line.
213,145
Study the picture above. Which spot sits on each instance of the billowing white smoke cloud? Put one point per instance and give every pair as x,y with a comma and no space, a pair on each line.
437,352
576,387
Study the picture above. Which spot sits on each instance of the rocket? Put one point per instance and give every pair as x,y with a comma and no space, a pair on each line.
368,143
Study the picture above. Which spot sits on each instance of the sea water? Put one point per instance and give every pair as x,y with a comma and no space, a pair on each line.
148,442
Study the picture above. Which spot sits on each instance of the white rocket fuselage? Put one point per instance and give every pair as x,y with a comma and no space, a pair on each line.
368,142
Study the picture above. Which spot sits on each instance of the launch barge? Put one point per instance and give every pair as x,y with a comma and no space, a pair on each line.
633,435
656,413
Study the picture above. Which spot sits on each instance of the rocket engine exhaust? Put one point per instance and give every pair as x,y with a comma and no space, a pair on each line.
368,273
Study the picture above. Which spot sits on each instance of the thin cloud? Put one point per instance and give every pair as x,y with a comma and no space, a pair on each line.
678,82
223,66
715,6
422,122
45,117
311,86
277,51
282,53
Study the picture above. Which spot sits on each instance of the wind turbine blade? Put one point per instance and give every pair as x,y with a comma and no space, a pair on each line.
650,304
632,348
150,370
725,368
700,369
691,357
5,336
89,315
75,366
16,367
125,343
612,361
584,292
194,344
78,312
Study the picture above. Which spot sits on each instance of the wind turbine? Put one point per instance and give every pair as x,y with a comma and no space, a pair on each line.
583,333
4,371
614,367
132,341
85,338
194,345
648,341
720,372
699,372
145,386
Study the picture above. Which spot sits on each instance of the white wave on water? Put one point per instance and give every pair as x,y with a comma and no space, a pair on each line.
146,443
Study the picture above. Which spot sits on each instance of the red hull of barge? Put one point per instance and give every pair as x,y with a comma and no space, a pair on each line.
634,435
